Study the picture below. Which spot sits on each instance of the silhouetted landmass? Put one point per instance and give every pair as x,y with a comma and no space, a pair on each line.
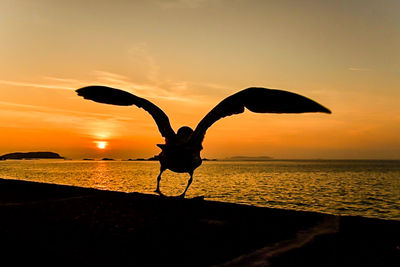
106,159
31,155
155,158
143,159
247,158
87,159
138,159
63,225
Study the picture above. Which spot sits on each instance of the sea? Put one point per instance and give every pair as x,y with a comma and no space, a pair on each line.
368,188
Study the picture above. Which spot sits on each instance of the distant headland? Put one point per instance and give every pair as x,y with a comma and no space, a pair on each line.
31,155
107,159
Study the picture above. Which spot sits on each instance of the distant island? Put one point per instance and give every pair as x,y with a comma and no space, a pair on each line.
247,158
31,155
155,158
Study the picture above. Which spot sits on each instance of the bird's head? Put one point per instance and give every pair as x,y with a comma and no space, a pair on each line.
184,133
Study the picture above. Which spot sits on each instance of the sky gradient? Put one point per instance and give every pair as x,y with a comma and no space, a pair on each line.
186,56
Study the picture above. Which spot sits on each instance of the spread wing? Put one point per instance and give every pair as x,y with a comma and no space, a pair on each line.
107,95
260,100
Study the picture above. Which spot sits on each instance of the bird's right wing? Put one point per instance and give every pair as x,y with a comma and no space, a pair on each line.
108,95
259,100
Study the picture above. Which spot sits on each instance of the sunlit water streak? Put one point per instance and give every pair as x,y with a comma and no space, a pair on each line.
365,188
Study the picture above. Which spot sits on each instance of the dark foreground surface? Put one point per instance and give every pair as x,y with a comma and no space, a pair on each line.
62,225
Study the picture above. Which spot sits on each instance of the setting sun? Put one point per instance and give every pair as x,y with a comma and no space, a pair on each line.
101,144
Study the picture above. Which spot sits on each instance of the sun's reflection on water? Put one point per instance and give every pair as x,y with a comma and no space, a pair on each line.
99,176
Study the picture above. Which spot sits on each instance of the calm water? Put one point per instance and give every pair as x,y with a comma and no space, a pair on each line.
366,188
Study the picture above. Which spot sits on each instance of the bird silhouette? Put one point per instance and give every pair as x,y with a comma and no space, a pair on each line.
181,151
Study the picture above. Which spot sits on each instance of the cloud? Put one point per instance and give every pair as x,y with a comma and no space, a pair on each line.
11,106
182,3
62,80
119,81
15,115
140,53
154,86
360,69
36,85
161,89
110,75
157,87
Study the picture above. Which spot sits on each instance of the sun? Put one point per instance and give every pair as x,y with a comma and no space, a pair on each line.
101,144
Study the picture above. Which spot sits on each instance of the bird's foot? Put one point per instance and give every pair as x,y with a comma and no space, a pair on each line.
159,193
181,195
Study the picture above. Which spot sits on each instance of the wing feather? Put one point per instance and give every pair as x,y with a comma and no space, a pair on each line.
259,100
108,95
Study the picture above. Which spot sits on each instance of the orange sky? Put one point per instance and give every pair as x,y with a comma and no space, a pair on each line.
186,56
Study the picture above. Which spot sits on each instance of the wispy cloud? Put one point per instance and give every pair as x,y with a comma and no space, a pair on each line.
62,80
121,82
90,126
360,69
152,84
161,89
182,3
140,53
36,108
168,90
110,75
35,85
16,115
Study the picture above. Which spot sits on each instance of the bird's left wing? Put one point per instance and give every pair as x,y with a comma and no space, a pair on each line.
256,99
108,95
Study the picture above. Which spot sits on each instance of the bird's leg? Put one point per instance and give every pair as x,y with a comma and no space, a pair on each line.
188,184
158,182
